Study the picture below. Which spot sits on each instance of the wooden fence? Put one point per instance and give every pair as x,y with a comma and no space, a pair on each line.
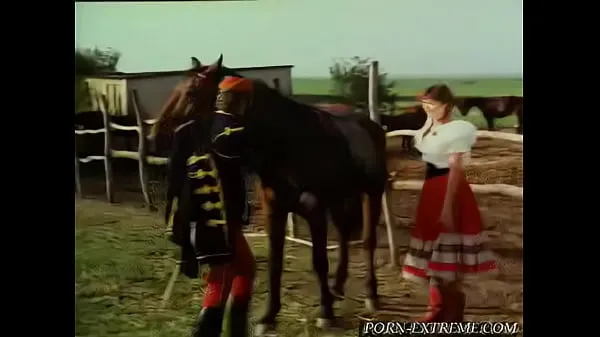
109,153
144,160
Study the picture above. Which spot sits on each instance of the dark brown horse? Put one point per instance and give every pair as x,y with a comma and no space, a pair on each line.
313,162
413,118
493,107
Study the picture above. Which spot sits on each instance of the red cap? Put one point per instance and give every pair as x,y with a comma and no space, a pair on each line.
237,84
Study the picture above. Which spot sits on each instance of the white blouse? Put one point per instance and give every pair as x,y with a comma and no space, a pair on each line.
445,139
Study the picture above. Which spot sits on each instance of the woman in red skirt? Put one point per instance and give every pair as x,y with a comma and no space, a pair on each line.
446,244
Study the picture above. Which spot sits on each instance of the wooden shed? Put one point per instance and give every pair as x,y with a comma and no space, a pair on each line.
153,88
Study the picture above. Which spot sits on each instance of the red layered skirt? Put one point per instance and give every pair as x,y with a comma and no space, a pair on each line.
436,252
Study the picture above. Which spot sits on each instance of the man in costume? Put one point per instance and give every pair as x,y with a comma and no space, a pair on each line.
207,208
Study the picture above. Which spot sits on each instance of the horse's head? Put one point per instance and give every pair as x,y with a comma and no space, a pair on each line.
192,96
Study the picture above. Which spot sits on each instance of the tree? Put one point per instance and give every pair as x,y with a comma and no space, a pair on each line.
351,80
90,62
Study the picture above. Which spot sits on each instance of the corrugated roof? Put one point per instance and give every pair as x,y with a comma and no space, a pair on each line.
122,75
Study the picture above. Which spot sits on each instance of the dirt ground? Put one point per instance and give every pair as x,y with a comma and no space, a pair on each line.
498,299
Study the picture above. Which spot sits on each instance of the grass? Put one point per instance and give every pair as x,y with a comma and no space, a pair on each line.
410,87
123,264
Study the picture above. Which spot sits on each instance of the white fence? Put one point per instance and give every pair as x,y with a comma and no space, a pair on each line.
109,153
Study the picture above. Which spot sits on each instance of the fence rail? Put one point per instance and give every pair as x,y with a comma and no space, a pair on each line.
109,153
144,159
504,189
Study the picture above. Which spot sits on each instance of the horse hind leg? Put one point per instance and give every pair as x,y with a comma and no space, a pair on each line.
345,219
318,230
371,206
277,217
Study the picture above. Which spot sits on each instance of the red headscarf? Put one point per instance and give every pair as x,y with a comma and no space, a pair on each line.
235,84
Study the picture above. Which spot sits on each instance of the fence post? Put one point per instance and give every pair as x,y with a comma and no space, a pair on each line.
374,115
373,86
107,149
77,176
142,151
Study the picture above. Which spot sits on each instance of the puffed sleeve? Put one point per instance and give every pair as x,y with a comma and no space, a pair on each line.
462,136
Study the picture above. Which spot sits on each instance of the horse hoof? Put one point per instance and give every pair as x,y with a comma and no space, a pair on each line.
265,330
371,305
324,323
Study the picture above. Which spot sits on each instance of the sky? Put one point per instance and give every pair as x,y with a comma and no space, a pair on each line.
409,38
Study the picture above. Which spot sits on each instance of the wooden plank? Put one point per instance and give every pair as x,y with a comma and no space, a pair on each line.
513,137
142,151
116,126
373,86
374,114
152,160
125,154
107,151
86,132
77,177
90,158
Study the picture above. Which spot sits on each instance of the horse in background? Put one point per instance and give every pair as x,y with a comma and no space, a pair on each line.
493,107
312,162
413,118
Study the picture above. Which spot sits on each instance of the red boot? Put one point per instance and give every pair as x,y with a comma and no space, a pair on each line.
436,311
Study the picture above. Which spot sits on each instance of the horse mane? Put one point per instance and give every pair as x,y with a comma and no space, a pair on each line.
281,108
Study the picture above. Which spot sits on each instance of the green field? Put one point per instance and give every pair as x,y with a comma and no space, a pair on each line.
410,87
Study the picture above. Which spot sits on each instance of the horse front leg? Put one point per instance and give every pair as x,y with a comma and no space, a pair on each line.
519,113
277,222
371,206
318,229
490,123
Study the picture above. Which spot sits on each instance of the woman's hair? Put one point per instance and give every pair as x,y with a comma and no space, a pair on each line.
439,93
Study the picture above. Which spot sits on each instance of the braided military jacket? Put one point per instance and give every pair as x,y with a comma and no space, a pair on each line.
207,190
